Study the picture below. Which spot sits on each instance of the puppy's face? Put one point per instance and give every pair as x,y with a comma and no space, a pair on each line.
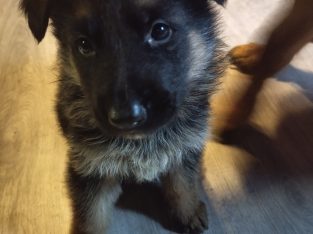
134,59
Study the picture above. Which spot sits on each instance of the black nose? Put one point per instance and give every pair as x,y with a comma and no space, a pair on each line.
127,118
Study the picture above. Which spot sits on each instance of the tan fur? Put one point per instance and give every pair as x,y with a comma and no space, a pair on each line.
262,61
83,10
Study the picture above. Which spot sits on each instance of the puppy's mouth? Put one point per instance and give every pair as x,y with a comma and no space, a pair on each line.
133,130
135,133
135,136
136,119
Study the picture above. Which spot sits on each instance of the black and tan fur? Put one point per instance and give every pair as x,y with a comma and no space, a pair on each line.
172,81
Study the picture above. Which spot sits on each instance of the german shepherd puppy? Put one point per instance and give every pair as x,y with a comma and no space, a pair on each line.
135,78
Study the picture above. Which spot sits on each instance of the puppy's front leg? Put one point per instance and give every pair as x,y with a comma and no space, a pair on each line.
92,202
182,190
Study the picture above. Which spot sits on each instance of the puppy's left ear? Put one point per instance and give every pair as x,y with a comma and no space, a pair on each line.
37,13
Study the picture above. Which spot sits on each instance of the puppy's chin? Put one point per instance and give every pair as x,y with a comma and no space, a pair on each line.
145,131
135,136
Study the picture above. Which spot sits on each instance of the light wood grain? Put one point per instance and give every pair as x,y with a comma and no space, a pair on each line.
32,153
261,182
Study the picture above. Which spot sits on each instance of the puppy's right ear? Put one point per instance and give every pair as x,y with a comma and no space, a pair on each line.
37,13
221,2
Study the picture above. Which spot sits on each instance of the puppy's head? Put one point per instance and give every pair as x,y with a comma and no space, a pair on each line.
133,59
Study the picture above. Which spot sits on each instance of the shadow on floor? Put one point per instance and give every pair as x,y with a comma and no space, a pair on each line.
302,78
288,154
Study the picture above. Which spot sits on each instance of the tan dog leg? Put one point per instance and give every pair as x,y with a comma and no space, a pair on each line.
260,62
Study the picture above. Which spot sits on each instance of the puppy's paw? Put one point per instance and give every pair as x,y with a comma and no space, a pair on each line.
196,223
247,57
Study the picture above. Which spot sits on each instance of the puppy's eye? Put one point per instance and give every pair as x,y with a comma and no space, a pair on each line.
160,33
85,47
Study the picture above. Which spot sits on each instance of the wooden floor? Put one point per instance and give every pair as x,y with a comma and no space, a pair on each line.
261,181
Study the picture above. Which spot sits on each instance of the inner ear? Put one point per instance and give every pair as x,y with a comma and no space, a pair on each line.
37,13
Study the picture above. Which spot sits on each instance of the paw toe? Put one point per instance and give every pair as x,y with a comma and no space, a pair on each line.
246,57
198,223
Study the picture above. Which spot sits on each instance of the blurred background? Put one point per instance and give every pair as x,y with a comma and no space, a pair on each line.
259,181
